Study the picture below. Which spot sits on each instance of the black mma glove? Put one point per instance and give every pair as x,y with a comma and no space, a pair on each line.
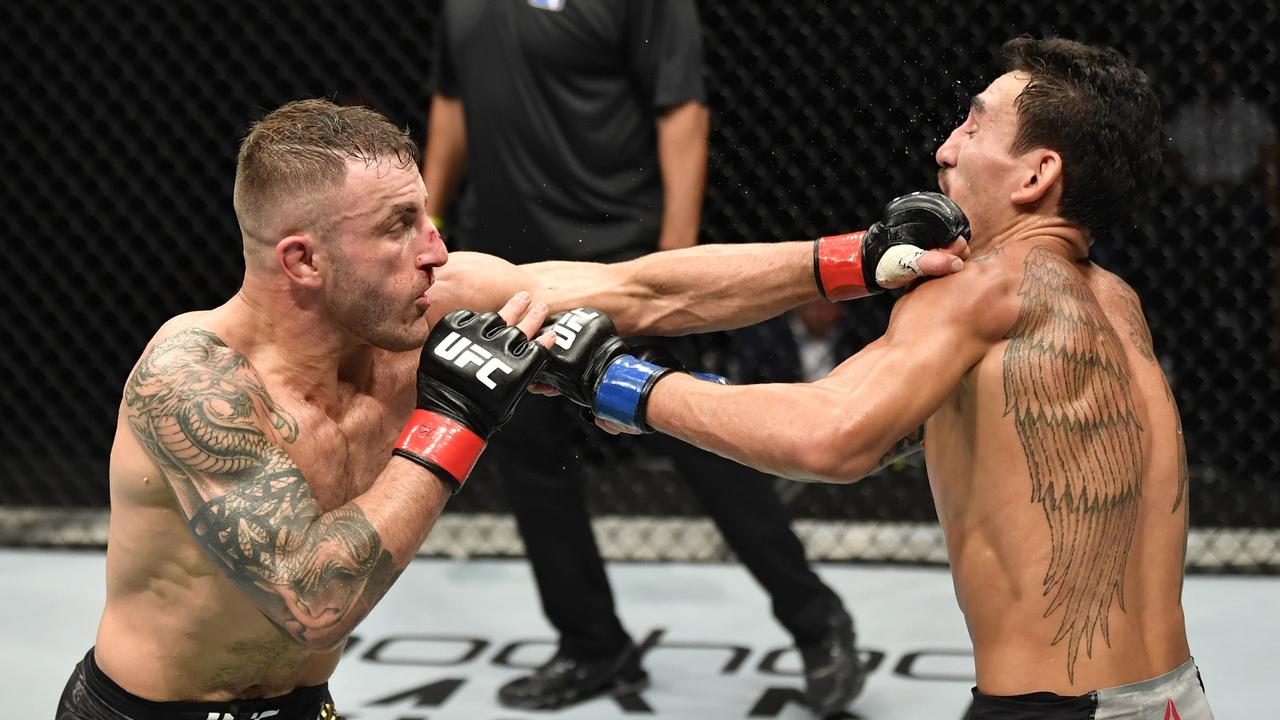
473,370
858,264
594,368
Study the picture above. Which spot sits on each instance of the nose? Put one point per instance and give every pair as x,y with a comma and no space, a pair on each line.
435,254
946,154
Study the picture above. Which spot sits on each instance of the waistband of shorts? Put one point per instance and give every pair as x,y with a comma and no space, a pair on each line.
1183,673
1038,705
1064,706
301,703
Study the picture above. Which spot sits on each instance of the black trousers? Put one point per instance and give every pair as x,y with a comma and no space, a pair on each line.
534,455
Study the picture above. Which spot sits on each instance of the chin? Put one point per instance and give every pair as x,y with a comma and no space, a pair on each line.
403,344
402,339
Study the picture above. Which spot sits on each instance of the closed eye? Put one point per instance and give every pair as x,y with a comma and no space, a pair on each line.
402,218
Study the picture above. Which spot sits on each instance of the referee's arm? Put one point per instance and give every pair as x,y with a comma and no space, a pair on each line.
682,158
446,156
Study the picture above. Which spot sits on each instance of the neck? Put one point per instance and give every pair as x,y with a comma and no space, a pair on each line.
1051,230
292,340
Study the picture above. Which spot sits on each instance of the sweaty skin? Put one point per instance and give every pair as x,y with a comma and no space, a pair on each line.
181,621
256,512
1053,445
1058,472
1053,449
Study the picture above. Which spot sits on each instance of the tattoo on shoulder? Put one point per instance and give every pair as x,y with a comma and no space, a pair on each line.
198,408
987,256
196,365
1067,386
1140,335
1139,331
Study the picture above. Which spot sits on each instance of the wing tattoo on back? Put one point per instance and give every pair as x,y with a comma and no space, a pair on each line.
1066,383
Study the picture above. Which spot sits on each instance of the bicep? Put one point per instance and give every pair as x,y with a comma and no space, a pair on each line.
201,413
901,379
905,447
481,282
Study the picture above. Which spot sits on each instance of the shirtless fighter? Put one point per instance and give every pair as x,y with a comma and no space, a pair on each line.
263,494
1051,437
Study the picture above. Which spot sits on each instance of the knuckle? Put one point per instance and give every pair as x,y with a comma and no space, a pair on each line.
460,318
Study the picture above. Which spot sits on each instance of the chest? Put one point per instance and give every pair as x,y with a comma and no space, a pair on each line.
342,450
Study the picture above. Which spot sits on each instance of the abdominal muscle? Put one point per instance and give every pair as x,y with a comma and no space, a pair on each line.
174,627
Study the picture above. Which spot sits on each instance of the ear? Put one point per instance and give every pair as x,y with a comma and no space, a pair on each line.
296,256
1043,172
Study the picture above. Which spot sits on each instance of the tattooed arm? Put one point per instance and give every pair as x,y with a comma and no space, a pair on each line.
202,414
904,448
845,426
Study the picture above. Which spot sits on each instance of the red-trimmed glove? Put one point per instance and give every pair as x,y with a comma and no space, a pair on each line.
473,370
864,263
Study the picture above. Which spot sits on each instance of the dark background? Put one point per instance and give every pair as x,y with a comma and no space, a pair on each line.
120,120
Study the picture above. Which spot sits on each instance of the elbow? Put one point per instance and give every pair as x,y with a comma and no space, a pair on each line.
320,641
314,639
835,456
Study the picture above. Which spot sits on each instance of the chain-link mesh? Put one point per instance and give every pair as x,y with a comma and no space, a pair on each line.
120,121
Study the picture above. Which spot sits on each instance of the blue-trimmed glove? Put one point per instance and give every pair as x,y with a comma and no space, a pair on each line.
596,369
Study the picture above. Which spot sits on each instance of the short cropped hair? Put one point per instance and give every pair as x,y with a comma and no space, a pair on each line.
1097,110
299,151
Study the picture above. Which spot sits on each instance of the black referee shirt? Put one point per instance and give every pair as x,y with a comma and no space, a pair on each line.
561,99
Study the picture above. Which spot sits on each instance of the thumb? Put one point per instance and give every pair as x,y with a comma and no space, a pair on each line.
939,262
546,339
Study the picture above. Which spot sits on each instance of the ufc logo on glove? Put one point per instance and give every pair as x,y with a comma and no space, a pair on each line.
462,352
570,325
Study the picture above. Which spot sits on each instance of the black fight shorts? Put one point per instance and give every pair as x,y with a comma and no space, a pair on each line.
91,695
1176,694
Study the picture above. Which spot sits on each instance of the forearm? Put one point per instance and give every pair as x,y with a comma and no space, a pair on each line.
446,153
693,290
722,287
335,566
403,505
793,431
682,158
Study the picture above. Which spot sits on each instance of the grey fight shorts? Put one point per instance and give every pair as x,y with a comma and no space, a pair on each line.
1176,695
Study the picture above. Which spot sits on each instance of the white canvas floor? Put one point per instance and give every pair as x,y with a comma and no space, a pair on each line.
450,632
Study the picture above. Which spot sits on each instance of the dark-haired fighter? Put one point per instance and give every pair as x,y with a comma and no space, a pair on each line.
1052,440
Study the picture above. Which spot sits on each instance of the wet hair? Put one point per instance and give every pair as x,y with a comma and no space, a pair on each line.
299,151
1097,110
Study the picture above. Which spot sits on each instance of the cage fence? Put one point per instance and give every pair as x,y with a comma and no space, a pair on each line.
120,123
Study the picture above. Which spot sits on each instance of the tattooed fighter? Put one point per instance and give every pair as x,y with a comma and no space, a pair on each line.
264,495
1052,441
